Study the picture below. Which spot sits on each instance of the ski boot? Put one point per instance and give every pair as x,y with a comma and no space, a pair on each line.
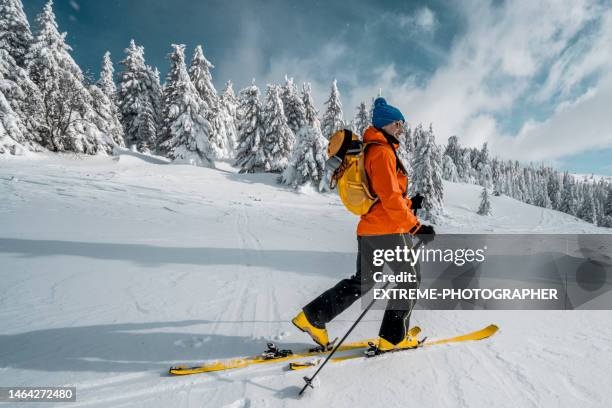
318,335
385,346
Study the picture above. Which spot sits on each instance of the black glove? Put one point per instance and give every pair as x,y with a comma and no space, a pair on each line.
426,233
416,202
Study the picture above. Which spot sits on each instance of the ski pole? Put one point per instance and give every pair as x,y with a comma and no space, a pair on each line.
309,380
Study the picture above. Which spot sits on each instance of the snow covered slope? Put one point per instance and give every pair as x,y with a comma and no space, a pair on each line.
113,269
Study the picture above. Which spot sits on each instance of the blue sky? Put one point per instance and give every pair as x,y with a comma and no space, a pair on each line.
531,78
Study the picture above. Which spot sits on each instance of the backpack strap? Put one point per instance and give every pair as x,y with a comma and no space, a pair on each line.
369,191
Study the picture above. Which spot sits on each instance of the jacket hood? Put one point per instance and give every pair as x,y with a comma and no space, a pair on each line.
375,135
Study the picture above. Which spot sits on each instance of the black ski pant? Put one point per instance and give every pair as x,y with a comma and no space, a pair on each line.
335,300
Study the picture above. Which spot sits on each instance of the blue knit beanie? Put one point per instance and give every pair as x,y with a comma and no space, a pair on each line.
384,114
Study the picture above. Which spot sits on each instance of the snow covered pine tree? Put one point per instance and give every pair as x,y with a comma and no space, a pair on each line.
278,137
250,150
485,205
16,36
71,122
332,118
428,173
184,116
22,108
139,99
362,120
293,106
104,95
219,118
229,116
307,162
106,82
311,114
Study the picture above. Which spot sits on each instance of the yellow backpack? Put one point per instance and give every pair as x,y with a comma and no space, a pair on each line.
346,154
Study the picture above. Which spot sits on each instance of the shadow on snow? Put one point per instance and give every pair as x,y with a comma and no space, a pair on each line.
128,347
306,262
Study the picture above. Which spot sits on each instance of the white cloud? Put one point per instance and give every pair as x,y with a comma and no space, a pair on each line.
585,122
423,20
418,28
494,67
497,64
589,55
246,58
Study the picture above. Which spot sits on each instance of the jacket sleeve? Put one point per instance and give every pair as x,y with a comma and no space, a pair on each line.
383,181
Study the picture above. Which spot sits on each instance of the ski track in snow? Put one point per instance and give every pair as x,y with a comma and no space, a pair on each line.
115,269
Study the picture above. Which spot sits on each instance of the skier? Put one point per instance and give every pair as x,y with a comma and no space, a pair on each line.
389,223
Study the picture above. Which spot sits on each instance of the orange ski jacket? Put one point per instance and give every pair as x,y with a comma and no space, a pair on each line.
391,214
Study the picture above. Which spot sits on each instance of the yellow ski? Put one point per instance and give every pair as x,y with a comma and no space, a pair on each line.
476,335
260,359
